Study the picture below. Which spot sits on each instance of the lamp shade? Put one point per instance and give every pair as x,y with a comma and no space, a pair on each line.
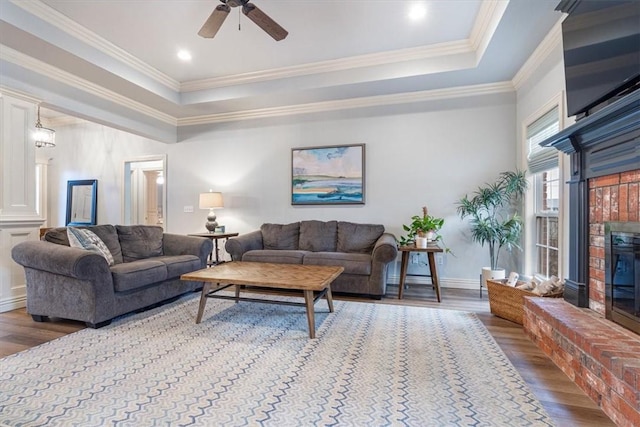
211,200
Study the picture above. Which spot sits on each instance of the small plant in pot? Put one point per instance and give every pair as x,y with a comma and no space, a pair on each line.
422,230
493,217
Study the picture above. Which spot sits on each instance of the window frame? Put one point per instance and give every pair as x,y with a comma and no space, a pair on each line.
530,211
541,214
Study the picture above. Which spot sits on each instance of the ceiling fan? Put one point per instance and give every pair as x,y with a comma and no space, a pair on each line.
217,17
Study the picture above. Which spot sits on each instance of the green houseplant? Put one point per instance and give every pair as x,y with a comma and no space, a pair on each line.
421,226
493,217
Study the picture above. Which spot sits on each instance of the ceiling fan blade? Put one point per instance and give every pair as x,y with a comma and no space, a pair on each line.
263,21
214,22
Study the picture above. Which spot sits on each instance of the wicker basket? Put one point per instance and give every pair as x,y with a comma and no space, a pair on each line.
508,302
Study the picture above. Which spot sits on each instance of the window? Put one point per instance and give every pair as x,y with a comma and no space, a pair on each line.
547,189
543,165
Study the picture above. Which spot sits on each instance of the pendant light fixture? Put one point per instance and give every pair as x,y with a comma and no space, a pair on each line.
44,137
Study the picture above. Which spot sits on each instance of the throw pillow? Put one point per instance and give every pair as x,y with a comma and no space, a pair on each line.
279,236
87,239
58,235
358,238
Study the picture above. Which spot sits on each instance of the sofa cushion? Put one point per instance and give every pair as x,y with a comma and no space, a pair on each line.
140,241
106,232
275,256
280,236
129,276
87,239
352,263
358,238
178,265
318,236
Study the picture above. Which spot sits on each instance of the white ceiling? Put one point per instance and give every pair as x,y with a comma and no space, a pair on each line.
319,30
114,61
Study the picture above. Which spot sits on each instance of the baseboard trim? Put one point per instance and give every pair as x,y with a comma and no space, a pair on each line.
445,282
13,304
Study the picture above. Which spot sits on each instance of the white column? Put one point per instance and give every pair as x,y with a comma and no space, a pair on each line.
19,220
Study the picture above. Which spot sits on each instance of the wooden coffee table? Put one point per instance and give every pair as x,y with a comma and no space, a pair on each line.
305,278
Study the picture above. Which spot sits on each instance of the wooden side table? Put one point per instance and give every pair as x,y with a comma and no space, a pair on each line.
214,238
431,251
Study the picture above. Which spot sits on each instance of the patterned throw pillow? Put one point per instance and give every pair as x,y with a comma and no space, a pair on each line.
87,239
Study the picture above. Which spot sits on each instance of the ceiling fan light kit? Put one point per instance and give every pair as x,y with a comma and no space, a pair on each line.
255,14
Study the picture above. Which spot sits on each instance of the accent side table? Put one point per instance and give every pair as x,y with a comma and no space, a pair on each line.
431,250
214,238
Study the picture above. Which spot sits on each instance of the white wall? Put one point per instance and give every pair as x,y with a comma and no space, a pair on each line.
91,151
431,156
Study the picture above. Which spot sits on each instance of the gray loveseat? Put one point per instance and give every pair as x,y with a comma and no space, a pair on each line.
78,284
364,250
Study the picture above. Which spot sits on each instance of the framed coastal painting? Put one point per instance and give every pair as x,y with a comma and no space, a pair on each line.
331,175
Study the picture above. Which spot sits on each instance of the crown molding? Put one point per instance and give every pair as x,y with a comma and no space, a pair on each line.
77,31
4,90
489,16
346,104
552,40
333,65
40,67
61,121
486,22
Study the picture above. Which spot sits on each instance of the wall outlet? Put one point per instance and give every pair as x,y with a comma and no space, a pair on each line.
439,259
414,258
188,209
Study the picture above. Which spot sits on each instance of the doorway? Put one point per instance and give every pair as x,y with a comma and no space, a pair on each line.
145,194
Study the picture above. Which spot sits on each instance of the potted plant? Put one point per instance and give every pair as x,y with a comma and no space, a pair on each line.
493,217
422,229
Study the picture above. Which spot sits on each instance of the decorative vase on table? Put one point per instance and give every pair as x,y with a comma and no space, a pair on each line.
421,242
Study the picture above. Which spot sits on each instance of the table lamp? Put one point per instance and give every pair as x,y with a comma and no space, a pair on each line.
211,200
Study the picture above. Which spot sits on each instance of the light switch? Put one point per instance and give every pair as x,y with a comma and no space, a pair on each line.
188,209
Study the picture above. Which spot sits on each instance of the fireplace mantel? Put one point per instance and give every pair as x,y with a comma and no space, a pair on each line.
604,143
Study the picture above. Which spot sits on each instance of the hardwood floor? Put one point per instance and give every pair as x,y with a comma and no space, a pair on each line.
562,399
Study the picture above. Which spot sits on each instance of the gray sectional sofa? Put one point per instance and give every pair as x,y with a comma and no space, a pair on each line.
364,250
73,283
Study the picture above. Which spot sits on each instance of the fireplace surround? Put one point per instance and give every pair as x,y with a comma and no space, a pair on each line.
605,152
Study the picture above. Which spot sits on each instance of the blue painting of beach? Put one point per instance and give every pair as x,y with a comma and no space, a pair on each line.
328,175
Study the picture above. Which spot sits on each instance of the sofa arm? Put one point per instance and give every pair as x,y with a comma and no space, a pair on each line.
62,260
386,249
237,246
178,244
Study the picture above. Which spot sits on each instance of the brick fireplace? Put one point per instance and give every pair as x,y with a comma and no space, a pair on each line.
614,197
600,356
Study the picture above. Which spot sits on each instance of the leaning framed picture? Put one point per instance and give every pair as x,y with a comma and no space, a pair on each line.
331,175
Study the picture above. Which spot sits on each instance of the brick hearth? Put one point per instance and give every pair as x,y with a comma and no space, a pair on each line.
602,358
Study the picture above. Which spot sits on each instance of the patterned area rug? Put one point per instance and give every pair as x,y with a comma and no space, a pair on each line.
253,364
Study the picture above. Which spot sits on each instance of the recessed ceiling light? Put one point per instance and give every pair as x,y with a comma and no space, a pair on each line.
417,12
184,55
